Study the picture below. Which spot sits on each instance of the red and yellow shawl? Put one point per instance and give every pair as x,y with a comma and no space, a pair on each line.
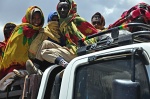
139,10
75,27
16,52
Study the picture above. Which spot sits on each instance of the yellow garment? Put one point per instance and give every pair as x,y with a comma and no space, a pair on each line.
51,31
16,51
75,28
36,44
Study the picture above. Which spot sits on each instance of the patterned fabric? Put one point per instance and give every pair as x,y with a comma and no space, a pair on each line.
75,27
139,10
16,52
28,16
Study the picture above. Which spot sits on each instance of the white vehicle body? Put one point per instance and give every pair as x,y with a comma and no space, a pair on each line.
67,84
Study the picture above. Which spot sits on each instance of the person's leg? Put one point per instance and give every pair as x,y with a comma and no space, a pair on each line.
32,66
60,56
46,44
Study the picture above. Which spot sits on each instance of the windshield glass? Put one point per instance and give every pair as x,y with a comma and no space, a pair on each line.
94,80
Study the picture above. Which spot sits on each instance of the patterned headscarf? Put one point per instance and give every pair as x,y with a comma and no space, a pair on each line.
28,16
75,27
16,52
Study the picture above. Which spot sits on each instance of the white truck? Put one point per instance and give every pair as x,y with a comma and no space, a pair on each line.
117,67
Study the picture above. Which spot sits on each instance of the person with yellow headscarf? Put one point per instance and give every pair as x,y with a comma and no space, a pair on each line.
16,52
72,28
48,36
50,32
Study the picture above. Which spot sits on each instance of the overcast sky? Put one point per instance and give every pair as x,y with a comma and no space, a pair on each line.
14,10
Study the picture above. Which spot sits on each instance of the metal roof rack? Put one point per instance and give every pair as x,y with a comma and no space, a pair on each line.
116,39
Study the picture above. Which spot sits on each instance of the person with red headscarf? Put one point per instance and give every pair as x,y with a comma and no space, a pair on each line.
72,27
16,51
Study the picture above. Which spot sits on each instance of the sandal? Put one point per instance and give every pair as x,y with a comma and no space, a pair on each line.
21,73
31,68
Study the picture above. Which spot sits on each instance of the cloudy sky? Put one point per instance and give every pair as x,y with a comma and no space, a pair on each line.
14,10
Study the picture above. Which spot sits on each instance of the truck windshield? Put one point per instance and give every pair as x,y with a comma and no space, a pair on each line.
94,80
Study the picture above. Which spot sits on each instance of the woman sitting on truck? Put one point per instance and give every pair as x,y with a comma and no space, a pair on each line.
48,39
16,52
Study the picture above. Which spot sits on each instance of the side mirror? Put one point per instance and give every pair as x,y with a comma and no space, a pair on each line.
125,89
